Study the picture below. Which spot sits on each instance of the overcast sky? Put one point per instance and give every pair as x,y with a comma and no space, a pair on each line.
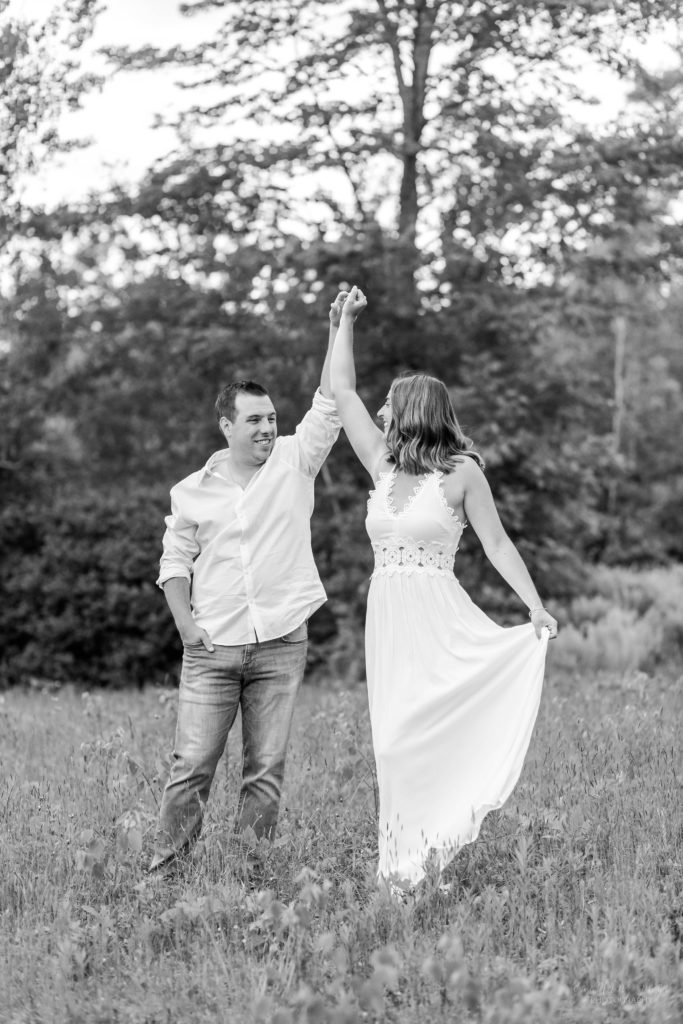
119,118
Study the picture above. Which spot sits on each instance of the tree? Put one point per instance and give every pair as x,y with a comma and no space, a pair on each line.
405,104
39,78
504,247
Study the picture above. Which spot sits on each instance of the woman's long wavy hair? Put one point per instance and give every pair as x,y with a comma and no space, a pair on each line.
424,433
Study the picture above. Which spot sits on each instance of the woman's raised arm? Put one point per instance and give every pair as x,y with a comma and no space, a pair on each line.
367,440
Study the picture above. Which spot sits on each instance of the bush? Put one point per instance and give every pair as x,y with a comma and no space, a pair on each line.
78,598
631,620
78,602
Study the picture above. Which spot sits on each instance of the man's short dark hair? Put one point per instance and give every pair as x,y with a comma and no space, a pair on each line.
225,403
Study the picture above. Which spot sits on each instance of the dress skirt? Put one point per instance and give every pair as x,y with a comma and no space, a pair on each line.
453,699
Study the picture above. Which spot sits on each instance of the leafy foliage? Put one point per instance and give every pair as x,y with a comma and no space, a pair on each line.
530,262
39,77
83,607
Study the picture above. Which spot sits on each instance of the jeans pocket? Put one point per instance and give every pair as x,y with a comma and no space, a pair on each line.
296,636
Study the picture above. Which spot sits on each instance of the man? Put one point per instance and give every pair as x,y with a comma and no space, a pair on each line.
239,577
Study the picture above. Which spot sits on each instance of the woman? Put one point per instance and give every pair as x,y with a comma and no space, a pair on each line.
453,696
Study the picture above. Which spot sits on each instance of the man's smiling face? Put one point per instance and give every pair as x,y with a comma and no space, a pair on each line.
251,433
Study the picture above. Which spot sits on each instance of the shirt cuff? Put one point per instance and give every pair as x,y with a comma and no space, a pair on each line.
326,406
173,572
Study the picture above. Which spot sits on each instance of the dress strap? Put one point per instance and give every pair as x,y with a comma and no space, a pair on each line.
438,475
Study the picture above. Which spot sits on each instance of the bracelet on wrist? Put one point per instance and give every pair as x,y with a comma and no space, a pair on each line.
539,608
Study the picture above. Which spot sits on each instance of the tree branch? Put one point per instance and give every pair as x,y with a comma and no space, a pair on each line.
392,39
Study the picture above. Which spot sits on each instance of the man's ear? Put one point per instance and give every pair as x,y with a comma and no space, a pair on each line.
226,426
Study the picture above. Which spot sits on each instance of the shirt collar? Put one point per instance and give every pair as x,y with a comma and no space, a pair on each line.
217,462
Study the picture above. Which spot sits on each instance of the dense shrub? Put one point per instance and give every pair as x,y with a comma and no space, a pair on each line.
78,600
631,619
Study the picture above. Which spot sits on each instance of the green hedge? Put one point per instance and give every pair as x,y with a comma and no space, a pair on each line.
77,599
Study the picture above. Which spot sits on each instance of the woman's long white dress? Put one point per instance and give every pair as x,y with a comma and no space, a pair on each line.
453,696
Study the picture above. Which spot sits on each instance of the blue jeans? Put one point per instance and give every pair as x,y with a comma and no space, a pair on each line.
261,678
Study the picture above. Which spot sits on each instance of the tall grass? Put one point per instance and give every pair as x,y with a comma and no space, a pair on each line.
568,908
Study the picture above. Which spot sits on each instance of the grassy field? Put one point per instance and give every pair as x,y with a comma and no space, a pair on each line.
568,908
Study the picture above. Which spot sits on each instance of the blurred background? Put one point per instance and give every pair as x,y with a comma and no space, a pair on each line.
183,189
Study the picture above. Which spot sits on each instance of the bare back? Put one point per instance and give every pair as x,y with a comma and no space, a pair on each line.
405,485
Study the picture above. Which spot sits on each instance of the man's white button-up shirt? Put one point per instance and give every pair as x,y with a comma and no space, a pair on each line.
247,552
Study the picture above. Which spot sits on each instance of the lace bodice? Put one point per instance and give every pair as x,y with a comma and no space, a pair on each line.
421,537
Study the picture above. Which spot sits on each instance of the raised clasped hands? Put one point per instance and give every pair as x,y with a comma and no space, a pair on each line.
354,304
540,620
336,308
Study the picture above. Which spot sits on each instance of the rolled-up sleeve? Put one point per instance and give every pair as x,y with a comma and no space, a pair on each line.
316,434
180,545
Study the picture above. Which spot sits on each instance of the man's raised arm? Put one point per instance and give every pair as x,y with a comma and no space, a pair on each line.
335,317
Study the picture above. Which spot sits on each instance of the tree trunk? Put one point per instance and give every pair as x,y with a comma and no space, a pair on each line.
619,329
412,93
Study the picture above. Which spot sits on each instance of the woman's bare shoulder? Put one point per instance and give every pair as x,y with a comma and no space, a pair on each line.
466,472
461,480
470,468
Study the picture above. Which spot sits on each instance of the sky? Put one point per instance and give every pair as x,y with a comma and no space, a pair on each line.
119,118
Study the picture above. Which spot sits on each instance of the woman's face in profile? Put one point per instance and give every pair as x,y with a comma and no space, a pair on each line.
384,414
